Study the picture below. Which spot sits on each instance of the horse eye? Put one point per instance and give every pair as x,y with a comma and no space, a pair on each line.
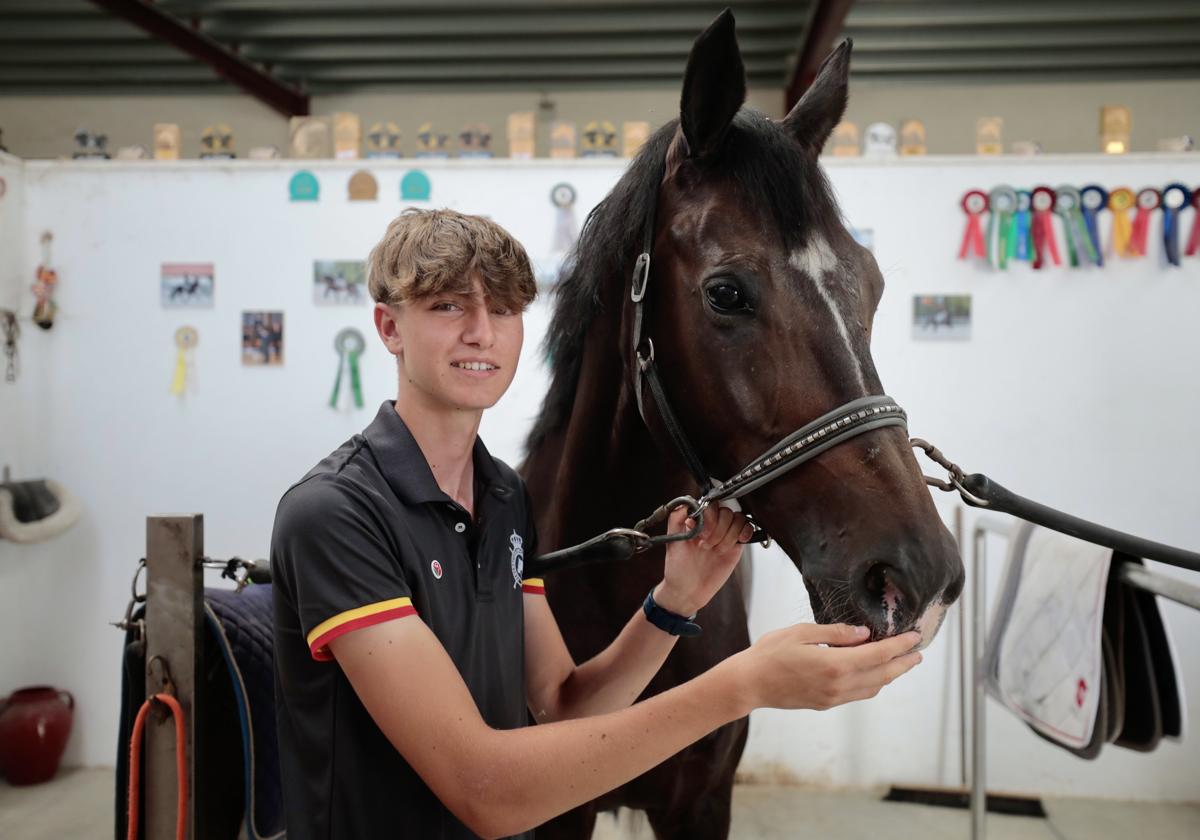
725,297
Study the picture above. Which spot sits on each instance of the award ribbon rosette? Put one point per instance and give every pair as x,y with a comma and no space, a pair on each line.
1023,223
1148,200
974,204
350,345
1094,198
1120,201
1175,197
1001,236
44,306
1079,243
186,339
1194,240
1042,201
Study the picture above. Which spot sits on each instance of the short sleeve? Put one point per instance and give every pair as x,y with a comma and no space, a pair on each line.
531,586
340,570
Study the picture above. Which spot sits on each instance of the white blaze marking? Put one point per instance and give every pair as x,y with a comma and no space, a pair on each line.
816,260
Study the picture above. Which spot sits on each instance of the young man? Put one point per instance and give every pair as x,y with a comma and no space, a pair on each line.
409,652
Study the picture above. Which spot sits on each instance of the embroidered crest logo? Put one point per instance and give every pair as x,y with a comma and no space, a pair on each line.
517,547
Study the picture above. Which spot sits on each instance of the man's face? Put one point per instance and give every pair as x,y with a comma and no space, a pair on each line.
455,351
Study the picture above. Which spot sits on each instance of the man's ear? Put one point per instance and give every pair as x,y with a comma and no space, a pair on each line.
388,328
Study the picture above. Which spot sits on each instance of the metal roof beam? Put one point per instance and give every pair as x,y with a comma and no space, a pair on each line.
638,20
546,70
250,78
1030,14
820,34
874,39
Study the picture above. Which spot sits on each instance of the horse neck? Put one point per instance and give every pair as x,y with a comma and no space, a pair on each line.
601,469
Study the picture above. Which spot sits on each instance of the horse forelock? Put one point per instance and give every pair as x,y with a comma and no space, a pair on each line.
763,166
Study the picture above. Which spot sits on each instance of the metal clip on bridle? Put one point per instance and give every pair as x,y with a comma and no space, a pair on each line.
954,471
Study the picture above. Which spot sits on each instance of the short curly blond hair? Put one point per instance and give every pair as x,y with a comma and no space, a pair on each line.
426,252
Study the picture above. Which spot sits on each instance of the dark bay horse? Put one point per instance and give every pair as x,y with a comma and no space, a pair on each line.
761,320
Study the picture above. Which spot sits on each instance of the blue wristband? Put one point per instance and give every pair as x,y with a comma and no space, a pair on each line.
668,621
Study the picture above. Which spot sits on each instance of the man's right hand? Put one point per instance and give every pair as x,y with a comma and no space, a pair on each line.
789,668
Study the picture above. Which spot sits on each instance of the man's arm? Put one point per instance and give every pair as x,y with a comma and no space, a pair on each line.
503,782
558,689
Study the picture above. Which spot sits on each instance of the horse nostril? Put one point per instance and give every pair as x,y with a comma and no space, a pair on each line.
875,581
883,594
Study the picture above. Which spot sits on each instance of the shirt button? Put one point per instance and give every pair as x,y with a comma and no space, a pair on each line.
460,527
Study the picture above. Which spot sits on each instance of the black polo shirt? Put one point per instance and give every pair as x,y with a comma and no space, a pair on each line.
368,536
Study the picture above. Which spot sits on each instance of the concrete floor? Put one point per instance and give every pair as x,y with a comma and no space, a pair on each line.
78,805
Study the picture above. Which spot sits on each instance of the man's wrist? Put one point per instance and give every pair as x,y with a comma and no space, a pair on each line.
673,601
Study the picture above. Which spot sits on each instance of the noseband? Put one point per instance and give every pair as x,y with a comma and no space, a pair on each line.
849,420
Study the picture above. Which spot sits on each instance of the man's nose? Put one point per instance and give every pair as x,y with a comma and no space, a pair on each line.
480,330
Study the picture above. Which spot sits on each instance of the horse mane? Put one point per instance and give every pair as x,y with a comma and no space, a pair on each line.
764,165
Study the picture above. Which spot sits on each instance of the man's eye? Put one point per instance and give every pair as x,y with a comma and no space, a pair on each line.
725,297
445,306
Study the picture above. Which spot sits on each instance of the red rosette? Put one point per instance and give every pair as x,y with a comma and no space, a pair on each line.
1042,202
1194,240
974,204
1148,200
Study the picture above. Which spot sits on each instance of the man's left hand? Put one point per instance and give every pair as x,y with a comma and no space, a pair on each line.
695,569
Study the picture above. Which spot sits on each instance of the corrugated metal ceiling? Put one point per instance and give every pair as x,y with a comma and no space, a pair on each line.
325,46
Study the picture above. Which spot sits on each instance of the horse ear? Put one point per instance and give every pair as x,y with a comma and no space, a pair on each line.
818,112
714,87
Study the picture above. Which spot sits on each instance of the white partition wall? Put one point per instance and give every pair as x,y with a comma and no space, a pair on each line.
1078,388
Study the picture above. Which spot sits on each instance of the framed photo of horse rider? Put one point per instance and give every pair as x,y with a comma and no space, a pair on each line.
187,285
339,282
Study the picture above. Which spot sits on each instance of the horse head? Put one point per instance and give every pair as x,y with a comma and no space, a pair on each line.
761,317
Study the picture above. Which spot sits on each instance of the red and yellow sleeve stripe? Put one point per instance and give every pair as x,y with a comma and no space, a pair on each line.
330,629
533,586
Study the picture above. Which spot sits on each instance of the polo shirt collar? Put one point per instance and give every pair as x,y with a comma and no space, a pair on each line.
406,470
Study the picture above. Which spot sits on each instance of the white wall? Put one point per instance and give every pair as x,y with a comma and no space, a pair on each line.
13,281
1052,400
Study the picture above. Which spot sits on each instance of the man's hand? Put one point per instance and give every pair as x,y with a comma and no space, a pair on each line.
697,568
819,666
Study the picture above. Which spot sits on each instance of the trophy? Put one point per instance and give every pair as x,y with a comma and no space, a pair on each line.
1116,124
216,143
475,141
91,146
562,139
879,141
432,144
912,138
989,136
599,139
635,135
521,135
347,132
383,140
311,137
166,141
845,140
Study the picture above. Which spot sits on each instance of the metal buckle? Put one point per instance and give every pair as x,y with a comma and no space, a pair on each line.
645,361
641,276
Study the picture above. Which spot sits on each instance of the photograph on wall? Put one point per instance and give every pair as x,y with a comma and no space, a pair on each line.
937,317
864,237
339,282
187,285
262,338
